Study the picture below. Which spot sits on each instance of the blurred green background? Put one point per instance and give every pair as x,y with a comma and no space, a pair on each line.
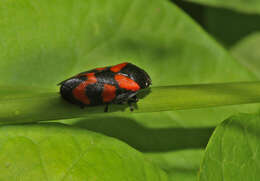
176,42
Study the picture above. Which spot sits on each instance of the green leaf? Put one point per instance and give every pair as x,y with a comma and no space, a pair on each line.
169,143
228,26
58,152
233,151
95,33
42,49
181,165
252,6
46,41
247,52
50,106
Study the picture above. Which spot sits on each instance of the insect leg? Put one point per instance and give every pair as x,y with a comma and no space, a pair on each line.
132,100
106,108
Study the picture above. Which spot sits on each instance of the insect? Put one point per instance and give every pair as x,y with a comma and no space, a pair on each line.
116,84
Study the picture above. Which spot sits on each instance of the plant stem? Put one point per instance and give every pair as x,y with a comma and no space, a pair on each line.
50,106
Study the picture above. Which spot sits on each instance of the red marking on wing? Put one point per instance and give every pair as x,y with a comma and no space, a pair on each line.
91,76
118,67
126,83
85,74
101,68
109,93
80,91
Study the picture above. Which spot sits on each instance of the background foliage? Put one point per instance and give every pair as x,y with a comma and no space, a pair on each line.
44,42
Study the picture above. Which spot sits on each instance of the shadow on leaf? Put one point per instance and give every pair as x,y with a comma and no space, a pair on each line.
148,139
